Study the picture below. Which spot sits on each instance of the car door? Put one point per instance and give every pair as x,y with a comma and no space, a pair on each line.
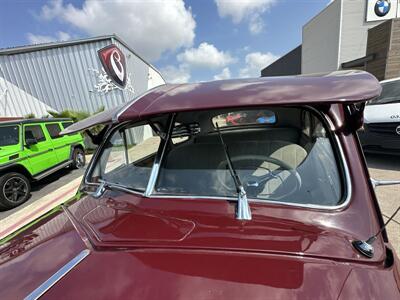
62,147
41,155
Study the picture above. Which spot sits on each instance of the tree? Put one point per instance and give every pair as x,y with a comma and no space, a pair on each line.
75,115
30,116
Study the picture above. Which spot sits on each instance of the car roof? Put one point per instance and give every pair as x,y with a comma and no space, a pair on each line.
334,87
29,121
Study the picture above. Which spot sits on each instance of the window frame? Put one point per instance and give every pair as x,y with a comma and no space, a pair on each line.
110,133
334,140
50,134
64,122
41,128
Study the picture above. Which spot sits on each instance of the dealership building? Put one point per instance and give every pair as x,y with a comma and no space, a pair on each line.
347,34
57,76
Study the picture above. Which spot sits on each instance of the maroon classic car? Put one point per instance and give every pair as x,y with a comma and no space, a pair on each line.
178,204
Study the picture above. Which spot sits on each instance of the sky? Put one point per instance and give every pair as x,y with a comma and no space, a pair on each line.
187,40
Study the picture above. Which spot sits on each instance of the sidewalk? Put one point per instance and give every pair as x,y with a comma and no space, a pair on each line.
39,207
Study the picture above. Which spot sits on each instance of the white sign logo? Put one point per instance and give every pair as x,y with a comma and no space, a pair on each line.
398,130
117,65
379,10
114,63
382,7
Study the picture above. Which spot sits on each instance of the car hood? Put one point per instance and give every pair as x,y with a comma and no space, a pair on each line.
177,274
189,274
146,249
382,113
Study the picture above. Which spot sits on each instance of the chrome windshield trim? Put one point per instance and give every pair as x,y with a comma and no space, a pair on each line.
98,152
45,286
251,200
347,188
158,160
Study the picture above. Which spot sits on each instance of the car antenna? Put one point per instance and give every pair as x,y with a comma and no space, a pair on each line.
365,247
243,211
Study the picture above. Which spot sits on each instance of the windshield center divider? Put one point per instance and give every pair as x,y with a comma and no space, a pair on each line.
159,156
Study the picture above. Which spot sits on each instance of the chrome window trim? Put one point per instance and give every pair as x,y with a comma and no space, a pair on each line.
299,205
159,158
45,286
347,188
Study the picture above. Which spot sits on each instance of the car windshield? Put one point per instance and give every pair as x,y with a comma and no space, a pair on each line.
390,93
9,135
291,160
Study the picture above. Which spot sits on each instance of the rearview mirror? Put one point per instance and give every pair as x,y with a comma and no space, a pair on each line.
376,182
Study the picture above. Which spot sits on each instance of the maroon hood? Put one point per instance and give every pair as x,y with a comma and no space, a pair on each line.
141,252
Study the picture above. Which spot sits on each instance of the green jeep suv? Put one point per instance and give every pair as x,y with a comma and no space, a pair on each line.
32,149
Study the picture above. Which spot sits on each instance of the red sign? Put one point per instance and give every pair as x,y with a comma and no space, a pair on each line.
114,63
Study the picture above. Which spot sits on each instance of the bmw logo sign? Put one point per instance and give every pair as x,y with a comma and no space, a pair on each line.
398,130
382,7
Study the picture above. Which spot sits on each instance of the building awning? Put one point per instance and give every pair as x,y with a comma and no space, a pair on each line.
359,62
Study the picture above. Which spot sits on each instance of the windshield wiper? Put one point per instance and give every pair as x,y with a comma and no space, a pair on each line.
105,185
243,209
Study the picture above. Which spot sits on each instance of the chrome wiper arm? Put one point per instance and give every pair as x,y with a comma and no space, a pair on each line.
243,211
104,185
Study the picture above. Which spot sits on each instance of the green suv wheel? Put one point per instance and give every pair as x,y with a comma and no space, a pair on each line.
15,189
78,158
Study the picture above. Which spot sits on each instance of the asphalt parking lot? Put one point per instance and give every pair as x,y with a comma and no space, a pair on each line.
380,167
45,186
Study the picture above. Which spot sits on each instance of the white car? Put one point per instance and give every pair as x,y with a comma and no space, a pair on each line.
381,131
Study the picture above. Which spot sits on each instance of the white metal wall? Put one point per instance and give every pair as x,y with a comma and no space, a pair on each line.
64,78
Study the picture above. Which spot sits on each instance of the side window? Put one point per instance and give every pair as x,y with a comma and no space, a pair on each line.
54,130
141,144
36,132
9,135
128,157
66,124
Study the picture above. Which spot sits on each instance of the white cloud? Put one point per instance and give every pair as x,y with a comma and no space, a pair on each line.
245,10
40,39
255,62
149,27
225,74
52,10
205,56
174,74
256,24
